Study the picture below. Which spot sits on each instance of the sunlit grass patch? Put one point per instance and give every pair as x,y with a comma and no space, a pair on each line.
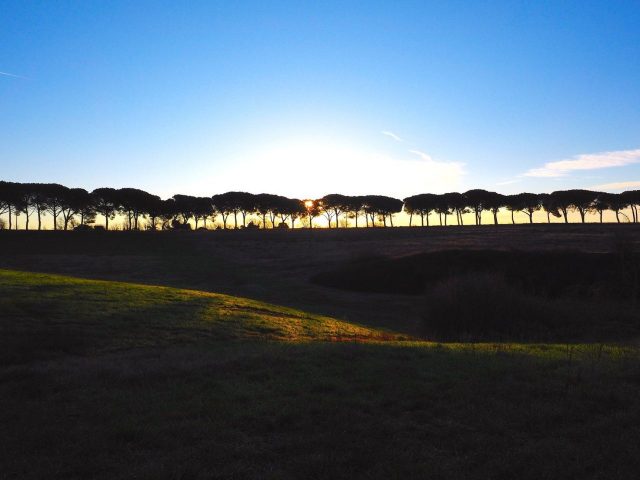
52,312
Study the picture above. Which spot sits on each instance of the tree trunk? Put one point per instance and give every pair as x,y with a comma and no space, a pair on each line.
495,217
422,218
618,216
39,219
10,218
513,220
410,218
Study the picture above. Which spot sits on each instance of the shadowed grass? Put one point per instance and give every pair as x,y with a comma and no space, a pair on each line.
152,392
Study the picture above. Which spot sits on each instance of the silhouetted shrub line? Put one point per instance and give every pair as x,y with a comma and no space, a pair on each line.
491,295
76,208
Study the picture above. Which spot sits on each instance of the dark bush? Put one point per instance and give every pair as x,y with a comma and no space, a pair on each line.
487,307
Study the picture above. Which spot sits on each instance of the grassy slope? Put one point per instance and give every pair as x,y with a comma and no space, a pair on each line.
112,380
47,314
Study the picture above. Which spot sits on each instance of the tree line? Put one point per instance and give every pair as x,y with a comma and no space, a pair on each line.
77,208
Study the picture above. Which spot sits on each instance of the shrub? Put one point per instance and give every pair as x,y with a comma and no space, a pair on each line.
486,307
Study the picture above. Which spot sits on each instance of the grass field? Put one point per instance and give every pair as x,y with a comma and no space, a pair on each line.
118,380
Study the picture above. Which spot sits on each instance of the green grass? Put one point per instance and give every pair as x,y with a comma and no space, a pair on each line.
47,314
113,380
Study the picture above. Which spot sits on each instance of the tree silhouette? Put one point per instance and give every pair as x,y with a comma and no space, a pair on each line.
106,203
68,206
632,200
73,202
528,203
477,200
312,210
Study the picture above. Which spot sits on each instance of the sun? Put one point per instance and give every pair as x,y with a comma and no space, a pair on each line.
308,203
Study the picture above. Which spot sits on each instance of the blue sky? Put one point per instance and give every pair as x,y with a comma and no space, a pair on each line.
307,98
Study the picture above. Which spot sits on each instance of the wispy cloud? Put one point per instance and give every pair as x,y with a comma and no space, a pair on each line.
422,155
508,182
616,186
392,135
6,74
589,161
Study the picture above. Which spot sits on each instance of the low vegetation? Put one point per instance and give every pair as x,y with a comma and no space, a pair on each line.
492,295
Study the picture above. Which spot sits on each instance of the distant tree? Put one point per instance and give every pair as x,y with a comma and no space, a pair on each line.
455,203
382,206
228,203
527,203
610,201
494,202
563,200
583,202
477,200
443,208
579,200
296,209
106,203
549,204
155,210
333,205
312,210
39,201
73,202
169,213
422,205
632,200
264,204
57,197
24,201
202,210
7,199
353,208
135,204
185,206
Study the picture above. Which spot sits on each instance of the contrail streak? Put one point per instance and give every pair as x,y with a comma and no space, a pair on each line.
12,75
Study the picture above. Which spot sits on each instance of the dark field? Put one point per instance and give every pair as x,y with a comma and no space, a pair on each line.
332,377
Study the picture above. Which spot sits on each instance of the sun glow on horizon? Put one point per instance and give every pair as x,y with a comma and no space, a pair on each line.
315,166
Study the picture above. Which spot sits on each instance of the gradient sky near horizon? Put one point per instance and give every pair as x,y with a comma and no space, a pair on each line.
308,98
